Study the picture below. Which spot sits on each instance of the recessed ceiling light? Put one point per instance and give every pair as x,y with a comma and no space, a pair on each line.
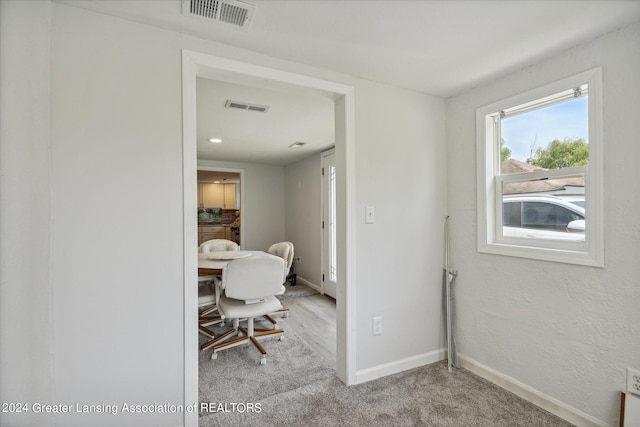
297,144
215,140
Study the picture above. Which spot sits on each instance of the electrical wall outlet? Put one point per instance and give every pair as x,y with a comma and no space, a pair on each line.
377,325
633,381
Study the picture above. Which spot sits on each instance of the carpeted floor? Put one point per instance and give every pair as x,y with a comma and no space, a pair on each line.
296,387
237,376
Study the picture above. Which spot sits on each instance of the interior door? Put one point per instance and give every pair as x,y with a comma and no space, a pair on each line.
329,258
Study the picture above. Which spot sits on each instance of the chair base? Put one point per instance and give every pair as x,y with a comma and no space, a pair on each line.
209,315
208,310
292,278
204,320
250,334
284,311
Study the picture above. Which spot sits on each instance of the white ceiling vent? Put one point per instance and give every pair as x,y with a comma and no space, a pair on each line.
245,106
232,12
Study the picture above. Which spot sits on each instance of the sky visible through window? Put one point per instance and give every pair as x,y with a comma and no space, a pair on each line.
565,120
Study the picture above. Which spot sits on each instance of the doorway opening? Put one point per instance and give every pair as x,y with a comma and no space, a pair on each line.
220,199
202,65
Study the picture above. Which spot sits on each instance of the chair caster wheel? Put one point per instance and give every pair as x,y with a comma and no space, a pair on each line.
214,356
286,315
221,323
263,361
281,338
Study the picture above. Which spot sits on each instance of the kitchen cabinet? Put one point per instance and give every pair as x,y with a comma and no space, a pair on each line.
211,195
230,196
208,232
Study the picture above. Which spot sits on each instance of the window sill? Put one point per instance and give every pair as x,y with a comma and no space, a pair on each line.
542,254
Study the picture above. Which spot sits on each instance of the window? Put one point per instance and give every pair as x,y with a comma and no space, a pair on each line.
333,253
540,173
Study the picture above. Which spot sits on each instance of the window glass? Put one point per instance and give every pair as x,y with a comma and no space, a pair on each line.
547,216
511,214
333,270
551,133
540,160
549,137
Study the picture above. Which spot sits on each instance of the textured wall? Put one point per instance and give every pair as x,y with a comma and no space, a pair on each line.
567,331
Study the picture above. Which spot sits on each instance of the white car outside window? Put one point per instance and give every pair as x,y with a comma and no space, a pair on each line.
542,217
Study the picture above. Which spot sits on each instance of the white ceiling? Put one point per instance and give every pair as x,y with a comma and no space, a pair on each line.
255,137
218,177
437,47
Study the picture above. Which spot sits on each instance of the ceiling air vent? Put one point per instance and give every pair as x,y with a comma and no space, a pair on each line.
245,106
231,12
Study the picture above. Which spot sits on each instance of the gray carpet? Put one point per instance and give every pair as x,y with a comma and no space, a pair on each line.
297,388
237,376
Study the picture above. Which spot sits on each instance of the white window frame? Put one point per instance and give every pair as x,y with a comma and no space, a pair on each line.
490,238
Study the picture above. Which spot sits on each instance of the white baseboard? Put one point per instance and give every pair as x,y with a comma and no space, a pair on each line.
308,283
385,369
528,393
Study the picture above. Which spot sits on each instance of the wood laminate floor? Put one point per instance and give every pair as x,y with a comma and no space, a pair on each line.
314,319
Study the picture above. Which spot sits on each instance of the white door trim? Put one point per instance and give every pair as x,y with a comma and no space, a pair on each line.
195,64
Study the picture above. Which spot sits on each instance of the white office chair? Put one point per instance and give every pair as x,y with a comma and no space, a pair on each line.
218,245
285,251
207,293
250,285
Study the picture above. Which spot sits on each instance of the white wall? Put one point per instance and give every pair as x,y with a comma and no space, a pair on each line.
117,217
116,214
263,210
303,215
25,197
401,173
567,331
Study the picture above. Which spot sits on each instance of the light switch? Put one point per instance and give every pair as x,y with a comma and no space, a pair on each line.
370,215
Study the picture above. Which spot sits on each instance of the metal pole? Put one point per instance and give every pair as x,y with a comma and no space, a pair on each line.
449,275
